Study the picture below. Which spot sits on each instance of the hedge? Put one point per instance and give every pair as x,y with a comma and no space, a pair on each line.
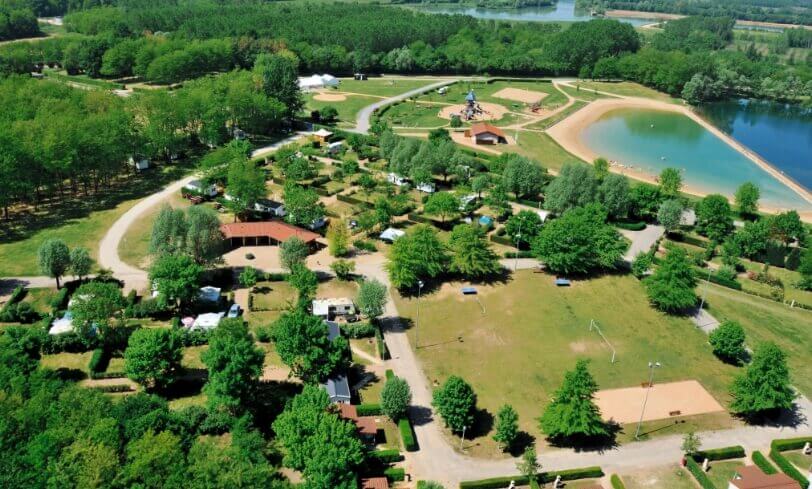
107,375
495,482
16,296
503,240
386,456
790,443
616,482
699,474
113,388
352,200
630,226
761,461
390,374
383,351
407,435
725,453
521,254
60,300
777,446
545,477
358,330
593,472
395,474
368,409
98,361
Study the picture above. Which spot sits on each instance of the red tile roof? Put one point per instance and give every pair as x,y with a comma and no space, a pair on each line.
375,483
483,128
752,477
276,230
366,426
347,411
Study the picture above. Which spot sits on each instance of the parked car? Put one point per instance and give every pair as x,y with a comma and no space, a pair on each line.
234,311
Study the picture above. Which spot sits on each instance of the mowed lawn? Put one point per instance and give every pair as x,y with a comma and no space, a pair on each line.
544,149
134,246
766,320
629,89
347,109
532,332
383,87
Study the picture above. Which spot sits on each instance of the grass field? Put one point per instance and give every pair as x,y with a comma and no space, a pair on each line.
411,114
629,89
722,472
347,109
73,361
555,119
273,296
134,246
544,149
382,87
39,299
484,92
800,459
532,332
766,320
582,93
671,477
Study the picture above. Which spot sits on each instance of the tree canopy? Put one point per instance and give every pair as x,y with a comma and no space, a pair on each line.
234,363
419,254
153,357
455,400
671,287
572,416
302,342
764,386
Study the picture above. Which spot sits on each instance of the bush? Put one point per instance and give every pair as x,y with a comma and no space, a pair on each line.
699,475
630,226
16,296
573,474
114,388
791,443
521,254
368,409
521,480
60,300
386,456
107,375
382,350
195,338
363,329
66,342
20,312
761,461
494,482
263,334
144,309
98,361
787,467
407,435
720,453
132,298
617,483
395,474
365,245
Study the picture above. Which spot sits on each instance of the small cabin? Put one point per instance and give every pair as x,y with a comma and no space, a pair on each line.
486,134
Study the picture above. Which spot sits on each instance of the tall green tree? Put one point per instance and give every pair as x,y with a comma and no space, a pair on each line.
419,254
671,287
522,176
302,205
278,76
572,416
204,239
293,251
168,232
153,357
442,204
727,342
613,193
305,281
302,342
575,186
154,461
670,182
670,215
371,298
455,400
245,185
396,397
528,465
94,304
471,254
747,196
80,262
235,364
764,387
338,237
507,427
54,258
177,278
788,228
713,217
523,227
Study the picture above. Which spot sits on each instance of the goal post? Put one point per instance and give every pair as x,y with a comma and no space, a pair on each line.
593,325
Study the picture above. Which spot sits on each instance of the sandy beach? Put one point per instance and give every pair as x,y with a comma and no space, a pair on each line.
568,134
639,14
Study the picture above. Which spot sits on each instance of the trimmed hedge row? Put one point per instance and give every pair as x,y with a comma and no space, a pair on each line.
630,226
725,453
368,409
60,300
98,361
503,240
407,435
777,446
363,329
545,477
616,482
699,474
390,374
382,349
352,200
761,461
107,375
386,456
114,388
791,443
521,254
16,296
702,274
395,474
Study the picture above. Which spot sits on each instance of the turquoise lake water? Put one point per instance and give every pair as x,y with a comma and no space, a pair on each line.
562,11
651,140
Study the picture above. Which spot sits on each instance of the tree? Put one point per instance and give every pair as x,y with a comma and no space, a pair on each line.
601,166
787,227
455,400
302,205
54,258
641,264
154,461
395,398
305,281
713,217
727,341
747,196
302,342
671,287
177,278
479,184
371,298
754,238
338,237
613,193
418,254
764,387
572,416
498,200
383,212
94,303
153,357
580,242
343,269
805,269
249,277
670,215
204,239
507,427
690,443
246,185
279,79
168,232
442,204
328,114
522,176
645,201
19,356
670,182
529,465
523,227
80,262
471,254
575,186
294,251
234,364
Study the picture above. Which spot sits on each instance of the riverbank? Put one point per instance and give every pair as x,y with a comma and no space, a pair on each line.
638,14
568,133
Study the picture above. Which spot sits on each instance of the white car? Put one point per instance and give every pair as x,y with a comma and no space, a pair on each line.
234,311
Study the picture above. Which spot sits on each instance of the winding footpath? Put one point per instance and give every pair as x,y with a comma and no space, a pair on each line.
362,123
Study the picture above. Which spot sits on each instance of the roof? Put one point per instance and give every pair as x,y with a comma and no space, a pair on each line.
271,204
348,411
391,234
276,230
752,477
338,389
207,321
483,128
366,426
323,133
321,307
375,483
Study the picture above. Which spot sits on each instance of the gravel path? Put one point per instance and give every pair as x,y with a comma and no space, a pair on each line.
362,121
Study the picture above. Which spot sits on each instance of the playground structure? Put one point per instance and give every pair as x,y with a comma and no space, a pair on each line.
473,110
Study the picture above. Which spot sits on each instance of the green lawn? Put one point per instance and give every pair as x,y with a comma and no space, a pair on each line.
191,357
544,149
766,320
72,361
273,296
484,92
410,114
629,89
582,93
801,460
40,299
555,119
347,109
671,477
721,472
788,277
382,87
532,332
134,246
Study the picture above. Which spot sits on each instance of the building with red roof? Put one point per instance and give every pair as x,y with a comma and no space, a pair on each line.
264,233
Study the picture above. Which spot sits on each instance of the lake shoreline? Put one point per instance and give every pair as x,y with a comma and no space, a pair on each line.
568,133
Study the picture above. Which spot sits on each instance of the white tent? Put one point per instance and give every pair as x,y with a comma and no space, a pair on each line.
207,322
317,81
391,234
64,325
329,80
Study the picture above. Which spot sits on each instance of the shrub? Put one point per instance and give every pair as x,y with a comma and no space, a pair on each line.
761,461
365,245
382,350
19,312
495,482
107,375
395,474
368,409
787,467
363,329
145,308
132,297
699,474
67,342
98,361
114,388
521,480
720,453
573,474
386,456
263,334
195,338
791,443
16,296
406,434
617,483
630,226
276,277
60,300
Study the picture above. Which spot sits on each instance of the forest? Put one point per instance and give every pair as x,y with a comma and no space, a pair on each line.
781,11
17,23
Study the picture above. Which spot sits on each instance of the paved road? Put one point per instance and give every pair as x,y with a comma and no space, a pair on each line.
362,121
642,241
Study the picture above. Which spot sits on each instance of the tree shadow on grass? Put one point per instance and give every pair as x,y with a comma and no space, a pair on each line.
521,443
597,444
483,424
777,418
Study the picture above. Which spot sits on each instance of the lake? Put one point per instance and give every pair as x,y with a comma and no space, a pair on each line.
651,140
562,11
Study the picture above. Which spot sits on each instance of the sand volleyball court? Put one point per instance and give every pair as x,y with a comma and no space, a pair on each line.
329,97
520,95
669,400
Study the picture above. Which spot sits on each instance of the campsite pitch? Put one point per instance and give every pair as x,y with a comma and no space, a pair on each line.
686,398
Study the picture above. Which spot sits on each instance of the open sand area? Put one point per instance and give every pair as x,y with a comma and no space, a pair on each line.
520,95
490,112
329,97
568,134
684,398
